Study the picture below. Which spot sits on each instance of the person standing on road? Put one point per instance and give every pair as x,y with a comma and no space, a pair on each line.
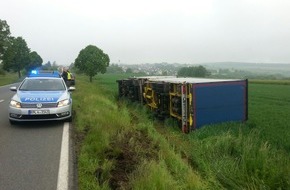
64,75
69,78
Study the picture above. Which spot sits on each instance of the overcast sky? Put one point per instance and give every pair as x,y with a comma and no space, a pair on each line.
135,31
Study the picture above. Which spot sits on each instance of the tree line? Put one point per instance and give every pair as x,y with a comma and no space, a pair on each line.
15,56
193,71
14,52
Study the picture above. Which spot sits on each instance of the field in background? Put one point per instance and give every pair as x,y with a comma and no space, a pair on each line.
119,145
8,78
283,82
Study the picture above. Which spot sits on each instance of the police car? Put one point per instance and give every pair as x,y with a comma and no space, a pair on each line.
41,96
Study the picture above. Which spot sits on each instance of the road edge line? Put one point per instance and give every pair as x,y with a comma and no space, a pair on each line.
62,179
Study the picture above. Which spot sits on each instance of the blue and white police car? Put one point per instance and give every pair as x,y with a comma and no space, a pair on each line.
41,96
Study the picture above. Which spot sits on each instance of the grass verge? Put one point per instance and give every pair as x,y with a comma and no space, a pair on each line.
8,78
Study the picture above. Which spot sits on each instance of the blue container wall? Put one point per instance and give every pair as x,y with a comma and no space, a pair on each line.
219,102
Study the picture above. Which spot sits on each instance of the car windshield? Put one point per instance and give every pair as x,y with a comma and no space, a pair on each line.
42,85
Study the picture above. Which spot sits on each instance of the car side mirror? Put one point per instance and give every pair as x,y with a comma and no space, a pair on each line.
13,88
71,89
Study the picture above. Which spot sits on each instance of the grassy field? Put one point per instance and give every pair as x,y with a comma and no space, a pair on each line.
284,82
120,146
8,78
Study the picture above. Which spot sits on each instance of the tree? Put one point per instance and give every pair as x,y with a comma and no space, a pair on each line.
54,66
35,61
71,66
47,66
164,73
114,68
4,37
16,56
92,61
129,70
198,71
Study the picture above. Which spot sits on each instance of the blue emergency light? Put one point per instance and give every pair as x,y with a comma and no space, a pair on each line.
44,73
34,72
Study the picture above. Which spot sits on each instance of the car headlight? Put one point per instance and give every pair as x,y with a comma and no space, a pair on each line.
63,103
15,104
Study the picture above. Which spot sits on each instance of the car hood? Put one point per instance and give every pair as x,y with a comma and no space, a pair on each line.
40,96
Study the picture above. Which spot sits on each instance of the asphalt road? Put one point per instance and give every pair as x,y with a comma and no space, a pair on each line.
30,152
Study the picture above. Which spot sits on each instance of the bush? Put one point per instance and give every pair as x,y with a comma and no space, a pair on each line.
2,72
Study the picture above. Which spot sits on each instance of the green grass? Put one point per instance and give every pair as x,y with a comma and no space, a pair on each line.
269,112
120,146
240,159
282,82
8,78
115,143
254,155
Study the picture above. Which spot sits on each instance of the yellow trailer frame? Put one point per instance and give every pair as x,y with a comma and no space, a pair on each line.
185,115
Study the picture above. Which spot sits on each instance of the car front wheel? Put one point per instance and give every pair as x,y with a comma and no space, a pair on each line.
12,122
69,119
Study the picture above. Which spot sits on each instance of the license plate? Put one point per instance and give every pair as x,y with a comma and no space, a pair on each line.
38,112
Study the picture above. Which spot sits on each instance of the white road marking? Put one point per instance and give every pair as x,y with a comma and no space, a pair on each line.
1,101
62,180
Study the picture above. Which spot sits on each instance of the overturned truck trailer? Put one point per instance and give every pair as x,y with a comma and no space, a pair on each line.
194,102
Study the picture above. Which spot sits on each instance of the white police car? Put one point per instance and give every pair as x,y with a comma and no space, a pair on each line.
41,96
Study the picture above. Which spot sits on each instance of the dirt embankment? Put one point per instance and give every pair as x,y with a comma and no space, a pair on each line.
127,151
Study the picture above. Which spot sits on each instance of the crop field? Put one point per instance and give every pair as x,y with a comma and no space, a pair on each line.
120,145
